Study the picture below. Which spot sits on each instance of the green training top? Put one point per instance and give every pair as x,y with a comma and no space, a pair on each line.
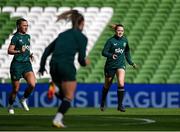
64,48
119,46
21,40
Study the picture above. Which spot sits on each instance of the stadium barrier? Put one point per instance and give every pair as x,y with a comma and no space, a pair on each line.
89,95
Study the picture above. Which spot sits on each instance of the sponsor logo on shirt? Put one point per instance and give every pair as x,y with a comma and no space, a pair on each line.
26,47
119,50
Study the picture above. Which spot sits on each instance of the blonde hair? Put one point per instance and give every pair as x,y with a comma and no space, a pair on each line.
114,26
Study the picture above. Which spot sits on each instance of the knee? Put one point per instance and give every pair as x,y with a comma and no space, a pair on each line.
121,84
69,97
121,87
107,85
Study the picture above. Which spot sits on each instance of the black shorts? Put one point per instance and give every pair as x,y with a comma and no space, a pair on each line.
62,72
110,72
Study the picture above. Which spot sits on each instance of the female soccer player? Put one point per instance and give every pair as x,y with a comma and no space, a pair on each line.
117,51
62,68
21,65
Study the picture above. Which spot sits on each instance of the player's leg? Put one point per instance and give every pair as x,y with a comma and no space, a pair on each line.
120,73
59,93
12,96
109,75
68,88
56,82
107,84
30,79
15,71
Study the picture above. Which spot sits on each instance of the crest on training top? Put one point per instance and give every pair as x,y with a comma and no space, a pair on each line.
124,44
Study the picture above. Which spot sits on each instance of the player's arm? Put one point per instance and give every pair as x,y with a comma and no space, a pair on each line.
46,53
31,57
12,47
128,56
83,61
106,49
12,50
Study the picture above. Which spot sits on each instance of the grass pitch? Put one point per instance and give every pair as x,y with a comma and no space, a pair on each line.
92,119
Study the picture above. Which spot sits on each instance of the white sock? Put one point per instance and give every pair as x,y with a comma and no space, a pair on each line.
59,116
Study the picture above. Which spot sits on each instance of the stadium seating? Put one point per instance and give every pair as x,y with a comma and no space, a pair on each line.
45,29
152,28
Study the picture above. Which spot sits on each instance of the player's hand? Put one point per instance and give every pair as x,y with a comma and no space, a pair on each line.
41,71
32,57
23,49
135,66
114,56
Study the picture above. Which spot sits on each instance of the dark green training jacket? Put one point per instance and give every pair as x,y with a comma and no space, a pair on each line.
21,40
64,48
119,46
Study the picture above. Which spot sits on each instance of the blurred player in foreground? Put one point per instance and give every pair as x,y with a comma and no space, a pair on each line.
117,51
62,69
21,65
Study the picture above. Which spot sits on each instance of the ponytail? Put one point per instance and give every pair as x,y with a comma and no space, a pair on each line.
114,26
73,15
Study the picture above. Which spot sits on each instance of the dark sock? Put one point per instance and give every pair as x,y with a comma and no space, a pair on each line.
27,93
104,94
120,94
65,105
59,95
11,100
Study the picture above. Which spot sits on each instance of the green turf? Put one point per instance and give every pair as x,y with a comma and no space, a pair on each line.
84,119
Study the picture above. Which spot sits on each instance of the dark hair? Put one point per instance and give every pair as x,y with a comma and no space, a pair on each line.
73,15
115,26
18,22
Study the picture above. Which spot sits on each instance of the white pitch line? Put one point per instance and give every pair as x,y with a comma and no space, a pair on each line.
146,121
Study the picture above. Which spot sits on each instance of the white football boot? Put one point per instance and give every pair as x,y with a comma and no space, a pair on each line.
10,110
24,104
57,121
